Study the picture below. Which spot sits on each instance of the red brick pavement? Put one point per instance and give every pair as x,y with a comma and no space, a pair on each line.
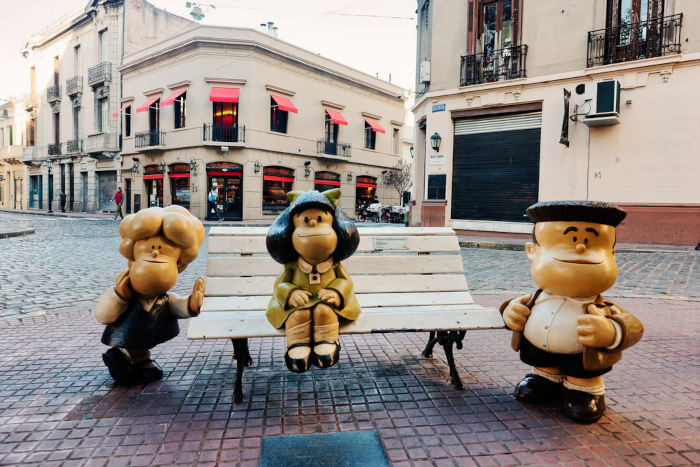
58,405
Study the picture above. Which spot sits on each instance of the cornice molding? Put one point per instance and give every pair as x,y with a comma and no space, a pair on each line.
179,84
153,91
332,105
279,90
371,116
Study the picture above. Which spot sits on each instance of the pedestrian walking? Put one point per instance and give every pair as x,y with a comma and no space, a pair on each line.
62,198
213,196
118,198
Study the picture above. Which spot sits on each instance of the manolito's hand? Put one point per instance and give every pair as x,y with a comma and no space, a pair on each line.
298,298
123,285
516,313
197,296
329,296
594,329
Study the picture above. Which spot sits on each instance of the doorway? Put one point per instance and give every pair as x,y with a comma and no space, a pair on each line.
128,195
227,179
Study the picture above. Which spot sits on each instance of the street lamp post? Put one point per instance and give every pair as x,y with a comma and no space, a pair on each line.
49,163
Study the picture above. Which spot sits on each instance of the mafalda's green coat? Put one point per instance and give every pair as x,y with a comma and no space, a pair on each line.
293,278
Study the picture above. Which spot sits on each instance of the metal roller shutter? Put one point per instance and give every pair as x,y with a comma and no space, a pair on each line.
496,166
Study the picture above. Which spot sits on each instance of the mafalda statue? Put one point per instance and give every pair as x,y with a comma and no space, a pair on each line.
138,311
566,330
310,238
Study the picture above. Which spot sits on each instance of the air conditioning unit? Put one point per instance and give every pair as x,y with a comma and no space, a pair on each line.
424,71
603,99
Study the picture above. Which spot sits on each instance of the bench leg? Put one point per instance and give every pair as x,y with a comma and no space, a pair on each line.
446,339
242,356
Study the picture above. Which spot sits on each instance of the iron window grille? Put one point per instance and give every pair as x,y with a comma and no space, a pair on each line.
496,65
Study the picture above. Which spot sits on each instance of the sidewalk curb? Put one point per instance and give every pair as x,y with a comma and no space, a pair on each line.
521,247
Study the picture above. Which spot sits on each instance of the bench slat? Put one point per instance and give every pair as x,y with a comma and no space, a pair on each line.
224,304
224,286
217,231
232,325
235,266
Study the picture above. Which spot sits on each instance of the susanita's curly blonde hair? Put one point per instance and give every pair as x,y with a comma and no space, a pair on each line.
174,222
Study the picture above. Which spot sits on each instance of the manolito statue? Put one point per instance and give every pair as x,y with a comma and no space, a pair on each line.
313,292
138,311
566,330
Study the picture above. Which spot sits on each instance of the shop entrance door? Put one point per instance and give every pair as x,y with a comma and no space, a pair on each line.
227,180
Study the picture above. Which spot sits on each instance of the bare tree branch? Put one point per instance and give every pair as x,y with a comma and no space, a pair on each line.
399,177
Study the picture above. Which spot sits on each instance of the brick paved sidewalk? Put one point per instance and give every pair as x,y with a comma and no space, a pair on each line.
58,405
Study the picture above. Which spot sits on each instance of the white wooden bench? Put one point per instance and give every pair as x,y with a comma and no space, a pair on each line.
406,279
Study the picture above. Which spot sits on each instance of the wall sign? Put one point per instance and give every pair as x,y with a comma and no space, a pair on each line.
438,107
437,159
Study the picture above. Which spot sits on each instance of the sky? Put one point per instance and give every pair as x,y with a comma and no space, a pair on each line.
373,36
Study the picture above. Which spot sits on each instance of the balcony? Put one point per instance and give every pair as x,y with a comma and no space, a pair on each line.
53,93
635,41
53,150
30,155
333,148
74,85
102,145
74,146
100,74
497,65
149,139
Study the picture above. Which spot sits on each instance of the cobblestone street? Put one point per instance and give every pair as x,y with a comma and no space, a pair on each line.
69,262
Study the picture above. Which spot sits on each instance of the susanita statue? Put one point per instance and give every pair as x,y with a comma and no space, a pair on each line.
138,311
313,292
566,330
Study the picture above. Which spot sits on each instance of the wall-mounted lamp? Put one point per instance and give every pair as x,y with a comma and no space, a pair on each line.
384,172
161,166
435,141
349,176
411,150
257,166
193,165
135,167
307,169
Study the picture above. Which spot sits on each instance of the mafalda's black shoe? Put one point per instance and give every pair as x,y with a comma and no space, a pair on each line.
583,407
119,366
537,389
326,360
297,365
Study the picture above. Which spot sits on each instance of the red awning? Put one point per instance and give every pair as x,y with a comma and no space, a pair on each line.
116,114
275,178
367,185
147,104
222,173
327,182
171,98
336,117
284,104
224,94
375,126
152,176
179,175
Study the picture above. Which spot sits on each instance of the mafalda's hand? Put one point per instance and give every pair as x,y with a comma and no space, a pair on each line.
594,329
516,313
298,298
197,296
329,296
123,286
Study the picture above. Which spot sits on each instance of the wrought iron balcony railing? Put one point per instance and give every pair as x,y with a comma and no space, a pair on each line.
53,93
224,134
30,155
74,146
53,150
332,148
495,65
145,139
74,85
100,73
635,41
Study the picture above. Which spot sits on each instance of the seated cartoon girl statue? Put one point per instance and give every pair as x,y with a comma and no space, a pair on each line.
313,291
138,311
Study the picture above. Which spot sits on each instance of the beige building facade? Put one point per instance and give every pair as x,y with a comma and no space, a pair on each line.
13,173
73,145
246,117
534,101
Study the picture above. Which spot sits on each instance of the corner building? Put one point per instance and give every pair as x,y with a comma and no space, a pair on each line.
252,117
533,101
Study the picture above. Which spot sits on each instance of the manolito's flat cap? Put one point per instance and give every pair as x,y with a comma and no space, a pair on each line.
599,212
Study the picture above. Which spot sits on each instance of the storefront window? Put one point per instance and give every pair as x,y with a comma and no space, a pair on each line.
153,178
326,181
365,191
179,175
277,181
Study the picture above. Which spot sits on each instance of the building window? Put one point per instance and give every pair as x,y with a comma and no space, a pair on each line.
436,186
365,191
31,125
278,117
395,141
179,110
225,119
76,60
76,123
102,115
326,181
179,175
154,116
370,137
102,46
2,137
153,178
127,121
277,181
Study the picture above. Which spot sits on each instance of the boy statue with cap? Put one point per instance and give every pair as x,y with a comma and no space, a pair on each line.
566,330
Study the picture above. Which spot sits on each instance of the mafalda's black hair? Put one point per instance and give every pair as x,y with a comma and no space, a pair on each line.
279,237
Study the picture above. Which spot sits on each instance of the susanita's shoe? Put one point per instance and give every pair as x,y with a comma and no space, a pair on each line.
583,407
298,337
537,389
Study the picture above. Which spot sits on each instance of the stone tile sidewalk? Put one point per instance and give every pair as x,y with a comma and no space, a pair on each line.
58,405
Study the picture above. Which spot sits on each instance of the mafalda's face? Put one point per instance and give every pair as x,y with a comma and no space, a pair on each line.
154,269
314,238
574,259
